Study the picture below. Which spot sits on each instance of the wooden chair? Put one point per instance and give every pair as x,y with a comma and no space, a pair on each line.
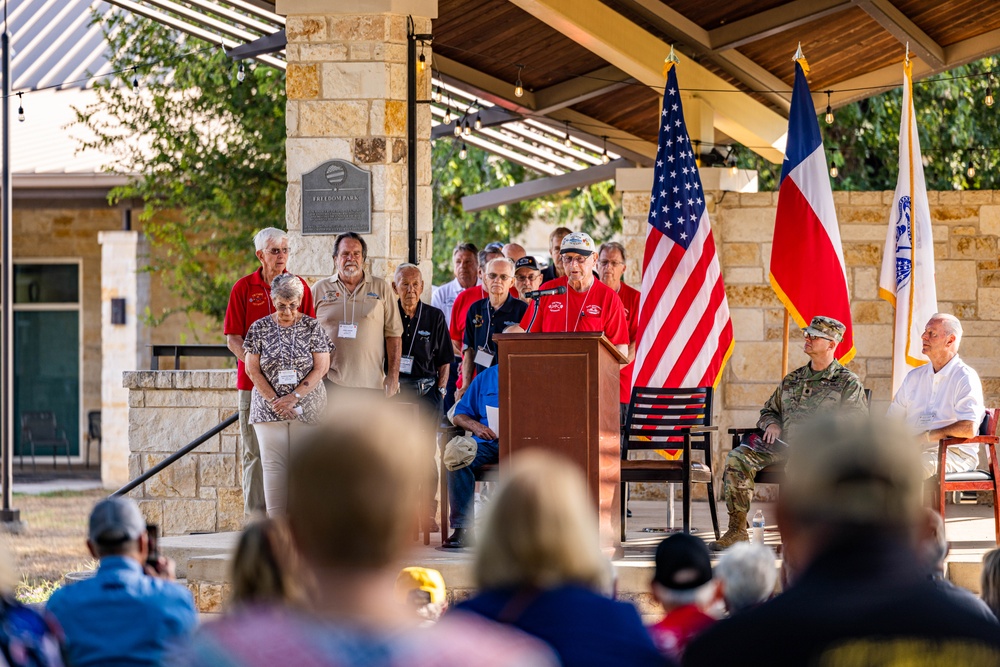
39,429
975,480
669,419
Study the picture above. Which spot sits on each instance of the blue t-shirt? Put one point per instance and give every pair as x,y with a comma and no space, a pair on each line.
484,391
122,616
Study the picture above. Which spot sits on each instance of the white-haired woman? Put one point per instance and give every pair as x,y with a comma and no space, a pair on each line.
287,355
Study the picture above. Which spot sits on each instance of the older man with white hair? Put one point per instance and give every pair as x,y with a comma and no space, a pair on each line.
943,398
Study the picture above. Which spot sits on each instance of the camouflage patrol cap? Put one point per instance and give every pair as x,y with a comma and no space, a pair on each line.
826,327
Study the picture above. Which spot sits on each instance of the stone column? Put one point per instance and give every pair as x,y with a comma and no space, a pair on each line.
123,346
346,85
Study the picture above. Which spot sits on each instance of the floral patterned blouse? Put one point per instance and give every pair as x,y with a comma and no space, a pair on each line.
282,349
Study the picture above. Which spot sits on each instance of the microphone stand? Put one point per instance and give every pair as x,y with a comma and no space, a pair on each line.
534,313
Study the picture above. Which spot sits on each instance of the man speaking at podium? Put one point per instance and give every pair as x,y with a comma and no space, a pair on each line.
577,301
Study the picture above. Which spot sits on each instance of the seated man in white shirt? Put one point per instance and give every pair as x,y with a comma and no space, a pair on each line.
943,398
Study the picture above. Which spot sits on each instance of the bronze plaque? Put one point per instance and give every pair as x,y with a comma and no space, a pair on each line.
336,198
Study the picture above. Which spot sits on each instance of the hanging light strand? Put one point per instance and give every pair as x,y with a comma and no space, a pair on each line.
519,87
829,110
20,106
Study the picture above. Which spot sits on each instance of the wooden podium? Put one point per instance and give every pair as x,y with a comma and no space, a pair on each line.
560,391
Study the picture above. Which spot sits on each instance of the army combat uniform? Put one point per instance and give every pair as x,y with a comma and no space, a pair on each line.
801,394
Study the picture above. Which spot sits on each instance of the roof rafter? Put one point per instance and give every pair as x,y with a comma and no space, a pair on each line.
580,89
899,25
772,21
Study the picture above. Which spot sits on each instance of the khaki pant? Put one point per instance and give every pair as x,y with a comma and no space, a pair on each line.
253,480
956,460
276,440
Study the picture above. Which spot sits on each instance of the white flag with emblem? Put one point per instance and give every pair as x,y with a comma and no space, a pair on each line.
907,280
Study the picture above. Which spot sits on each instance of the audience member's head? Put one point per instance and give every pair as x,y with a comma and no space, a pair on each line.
264,565
514,251
932,543
540,529
117,528
990,581
850,480
683,574
746,574
421,590
353,485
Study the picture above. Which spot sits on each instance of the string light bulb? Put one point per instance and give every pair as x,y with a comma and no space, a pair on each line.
458,129
479,122
519,87
435,94
604,154
829,110
241,74
971,171
421,60
466,130
567,140
989,90
20,107
464,153
731,161
834,172
135,81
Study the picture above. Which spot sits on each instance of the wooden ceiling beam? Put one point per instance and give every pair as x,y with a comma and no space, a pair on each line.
580,89
501,93
698,42
891,76
906,31
772,21
625,45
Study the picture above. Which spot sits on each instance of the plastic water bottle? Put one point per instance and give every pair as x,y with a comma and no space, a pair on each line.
758,527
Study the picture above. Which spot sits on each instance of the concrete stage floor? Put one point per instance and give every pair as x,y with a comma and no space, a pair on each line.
205,558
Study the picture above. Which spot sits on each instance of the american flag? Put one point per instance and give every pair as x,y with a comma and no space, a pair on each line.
685,332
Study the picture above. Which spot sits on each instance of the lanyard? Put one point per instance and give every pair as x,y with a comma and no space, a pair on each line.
489,325
354,300
582,306
413,337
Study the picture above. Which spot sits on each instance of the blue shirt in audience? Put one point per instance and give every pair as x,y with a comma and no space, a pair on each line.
122,616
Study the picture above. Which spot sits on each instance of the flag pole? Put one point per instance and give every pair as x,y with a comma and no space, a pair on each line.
784,346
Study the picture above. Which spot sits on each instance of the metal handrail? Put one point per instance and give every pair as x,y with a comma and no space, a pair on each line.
179,454
178,350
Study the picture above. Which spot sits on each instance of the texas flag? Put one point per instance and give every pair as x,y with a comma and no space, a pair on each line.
807,260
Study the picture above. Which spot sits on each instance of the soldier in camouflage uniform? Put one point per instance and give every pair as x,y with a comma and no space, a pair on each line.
822,384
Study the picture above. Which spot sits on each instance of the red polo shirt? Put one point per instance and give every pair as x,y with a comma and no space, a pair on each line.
249,301
630,300
597,309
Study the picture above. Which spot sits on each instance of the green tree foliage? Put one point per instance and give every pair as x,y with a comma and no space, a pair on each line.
207,152
455,178
956,127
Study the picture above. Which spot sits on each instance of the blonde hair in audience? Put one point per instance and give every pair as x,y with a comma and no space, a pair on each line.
353,484
990,581
541,529
264,565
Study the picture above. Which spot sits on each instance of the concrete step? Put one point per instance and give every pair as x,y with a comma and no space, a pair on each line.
183,548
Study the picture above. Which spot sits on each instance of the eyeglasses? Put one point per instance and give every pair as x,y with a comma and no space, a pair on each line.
286,306
573,258
498,276
812,337
527,278
278,251
607,262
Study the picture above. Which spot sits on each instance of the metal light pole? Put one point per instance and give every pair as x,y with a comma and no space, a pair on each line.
8,515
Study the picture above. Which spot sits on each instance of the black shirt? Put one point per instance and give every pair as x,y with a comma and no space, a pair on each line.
482,322
425,337
549,272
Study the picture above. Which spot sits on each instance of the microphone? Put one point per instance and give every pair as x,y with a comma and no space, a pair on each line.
538,294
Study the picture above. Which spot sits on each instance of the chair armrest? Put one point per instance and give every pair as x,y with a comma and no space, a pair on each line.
979,439
741,431
703,429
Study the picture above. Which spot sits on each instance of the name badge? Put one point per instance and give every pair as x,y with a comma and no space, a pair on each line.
406,365
925,420
288,377
347,330
484,358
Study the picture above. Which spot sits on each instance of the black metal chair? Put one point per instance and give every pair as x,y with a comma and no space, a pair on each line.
487,473
39,429
94,433
669,419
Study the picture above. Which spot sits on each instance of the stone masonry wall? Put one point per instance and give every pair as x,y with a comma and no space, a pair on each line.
168,409
966,226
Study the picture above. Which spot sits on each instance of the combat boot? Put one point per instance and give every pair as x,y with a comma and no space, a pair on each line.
737,532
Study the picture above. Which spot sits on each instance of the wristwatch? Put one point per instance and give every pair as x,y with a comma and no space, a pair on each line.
443,390
297,395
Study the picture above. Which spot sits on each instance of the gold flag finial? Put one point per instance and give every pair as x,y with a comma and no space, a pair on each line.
800,58
670,60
